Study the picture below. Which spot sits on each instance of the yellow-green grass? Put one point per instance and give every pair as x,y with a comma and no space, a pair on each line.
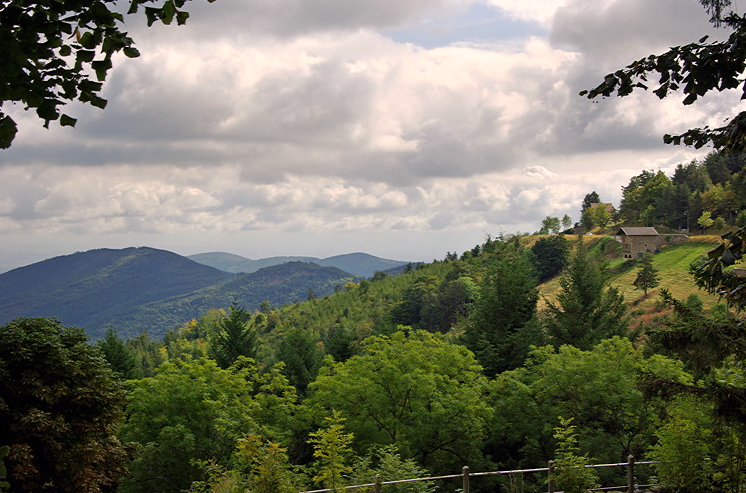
673,268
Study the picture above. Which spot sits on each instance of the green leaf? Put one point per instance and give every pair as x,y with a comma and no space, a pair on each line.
48,111
65,50
85,56
8,130
98,102
167,12
181,18
101,67
67,121
130,52
88,41
152,14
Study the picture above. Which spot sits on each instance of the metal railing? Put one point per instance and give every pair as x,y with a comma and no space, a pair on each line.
466,477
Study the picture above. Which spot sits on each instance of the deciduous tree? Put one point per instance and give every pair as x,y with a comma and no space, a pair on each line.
414,390
60,405
192,412
599,389
58,52
694,69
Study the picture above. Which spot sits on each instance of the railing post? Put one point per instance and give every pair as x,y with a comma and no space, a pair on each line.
465,472
550,478
377,487
630,474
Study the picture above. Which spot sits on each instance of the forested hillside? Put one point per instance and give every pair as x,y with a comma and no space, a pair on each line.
87,288
451,363
136,289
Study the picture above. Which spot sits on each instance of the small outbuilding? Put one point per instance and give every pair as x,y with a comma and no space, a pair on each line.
637,241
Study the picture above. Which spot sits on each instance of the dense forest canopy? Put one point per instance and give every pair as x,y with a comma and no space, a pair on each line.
451,363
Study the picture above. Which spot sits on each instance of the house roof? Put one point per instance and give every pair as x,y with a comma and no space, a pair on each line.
637,231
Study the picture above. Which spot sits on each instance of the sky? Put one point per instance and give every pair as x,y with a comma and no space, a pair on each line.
400,128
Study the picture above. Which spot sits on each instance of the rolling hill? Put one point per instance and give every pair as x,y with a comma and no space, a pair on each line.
359,264
134,289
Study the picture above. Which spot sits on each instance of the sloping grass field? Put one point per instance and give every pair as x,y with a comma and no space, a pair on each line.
673,268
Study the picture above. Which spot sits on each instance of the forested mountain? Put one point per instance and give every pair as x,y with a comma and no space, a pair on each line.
135,289
280,284
359,264
88,288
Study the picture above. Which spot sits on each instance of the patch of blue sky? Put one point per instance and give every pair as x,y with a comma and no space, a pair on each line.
480,24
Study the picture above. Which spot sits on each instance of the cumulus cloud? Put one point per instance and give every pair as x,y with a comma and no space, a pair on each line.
291,116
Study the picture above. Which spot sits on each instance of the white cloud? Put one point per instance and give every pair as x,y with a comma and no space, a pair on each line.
290,116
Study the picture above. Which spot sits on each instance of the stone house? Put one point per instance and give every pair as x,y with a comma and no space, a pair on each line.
637,241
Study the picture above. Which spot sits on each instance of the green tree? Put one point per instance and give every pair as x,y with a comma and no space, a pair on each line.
647,275
258,466
51,52
236,336
685,448
415,297
413,390
570,474
549,225
269,469
386,462
300,352
601,216
60,405
714,274
600,389
588,219
586,310
193,412
502,323
550,256
696,69
122,359
454,298
741,219
333,454
150,353
566,222
705,220
590,198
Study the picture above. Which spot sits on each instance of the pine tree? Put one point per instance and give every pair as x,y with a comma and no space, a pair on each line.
647,275
586,311
502,324
236,337
120,357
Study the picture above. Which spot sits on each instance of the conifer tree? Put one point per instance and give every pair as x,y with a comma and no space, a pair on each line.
120,357
236,337
647,275
502,324
587,310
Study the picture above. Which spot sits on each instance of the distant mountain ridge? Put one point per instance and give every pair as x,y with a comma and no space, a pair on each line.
135,289
359,264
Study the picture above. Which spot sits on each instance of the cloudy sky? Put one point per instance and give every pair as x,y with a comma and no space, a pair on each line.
400,128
